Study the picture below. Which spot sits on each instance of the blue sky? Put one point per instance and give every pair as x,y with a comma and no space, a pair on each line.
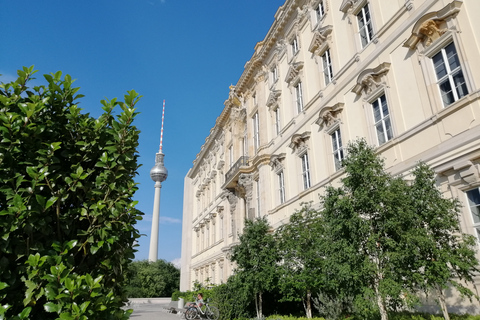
187,52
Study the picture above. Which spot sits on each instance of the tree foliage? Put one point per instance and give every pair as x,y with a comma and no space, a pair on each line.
67,215
301,245
147,279
256,257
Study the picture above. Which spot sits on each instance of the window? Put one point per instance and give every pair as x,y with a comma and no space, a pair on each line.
277,122
274,74
220,231
337,149
365,25
474,204
257,186
320,11
256,136
294,45
299,97
327,67
230,155
281,186
305,171
449,74
383,126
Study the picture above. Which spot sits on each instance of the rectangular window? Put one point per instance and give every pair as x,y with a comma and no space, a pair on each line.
320,11
277,122
474,204
305,171
383,126
449,73
256,137
299,97
281,186
274,74
230,155
295,46
257,186
365,25
327,67
221,227
337,149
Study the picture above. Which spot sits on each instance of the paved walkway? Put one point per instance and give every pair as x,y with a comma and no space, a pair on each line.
152,309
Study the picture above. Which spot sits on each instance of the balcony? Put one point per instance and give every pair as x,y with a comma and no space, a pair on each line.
231,177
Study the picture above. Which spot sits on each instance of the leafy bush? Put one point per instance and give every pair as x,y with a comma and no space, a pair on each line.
147,279
67,215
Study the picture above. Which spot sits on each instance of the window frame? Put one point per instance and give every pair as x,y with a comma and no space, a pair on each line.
295,46
320,11
337,148
367,27
281,186
306,179
327,66
475,225
299,106
449,74
277,122
382,120
256,131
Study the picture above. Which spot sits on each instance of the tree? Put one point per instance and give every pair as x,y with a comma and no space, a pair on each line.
147,279
438,254
256,256
362,220
67,215
301,244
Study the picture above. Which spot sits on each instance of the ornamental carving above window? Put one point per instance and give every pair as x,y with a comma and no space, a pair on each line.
276,161
294,72
298,142
371,79
328,116
320,40
433,25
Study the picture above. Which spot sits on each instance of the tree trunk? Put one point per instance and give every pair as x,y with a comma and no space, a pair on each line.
443,304
380,302
308,304
260,304
256,304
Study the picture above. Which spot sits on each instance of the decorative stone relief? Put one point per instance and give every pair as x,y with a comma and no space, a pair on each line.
371,79
232,200
431,26
245,186
273,98
298,142
276,162
328,116
294,72
320,40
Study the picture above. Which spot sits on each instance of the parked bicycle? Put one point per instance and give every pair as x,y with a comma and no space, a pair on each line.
194,311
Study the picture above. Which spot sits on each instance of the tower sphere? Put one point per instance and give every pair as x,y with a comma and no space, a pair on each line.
158,173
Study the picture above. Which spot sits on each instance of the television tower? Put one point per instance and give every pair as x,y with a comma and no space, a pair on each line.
158,174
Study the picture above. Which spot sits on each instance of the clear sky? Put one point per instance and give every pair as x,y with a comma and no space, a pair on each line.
187,52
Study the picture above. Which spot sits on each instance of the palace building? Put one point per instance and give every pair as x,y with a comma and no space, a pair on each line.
403,74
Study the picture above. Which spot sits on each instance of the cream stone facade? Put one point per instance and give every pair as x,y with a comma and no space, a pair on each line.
404,74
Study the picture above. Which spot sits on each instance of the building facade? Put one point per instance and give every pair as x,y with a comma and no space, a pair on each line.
403,74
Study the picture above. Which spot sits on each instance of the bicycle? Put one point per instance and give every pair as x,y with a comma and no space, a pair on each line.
196,312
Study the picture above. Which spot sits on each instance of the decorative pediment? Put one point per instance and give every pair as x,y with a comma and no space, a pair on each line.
328,116
276,161
298,142
273,98
294,71
348,5
370,79
319,42
432,25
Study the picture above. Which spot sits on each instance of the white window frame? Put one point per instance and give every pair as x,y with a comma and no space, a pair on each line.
474,206
337,147
273,75
382,123
295,46
365,32
449,76
299,97
320,11
327,66
281,186
256,131
278,124
305,171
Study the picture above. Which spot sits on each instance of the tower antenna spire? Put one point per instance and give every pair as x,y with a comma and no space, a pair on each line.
158,174
161,130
